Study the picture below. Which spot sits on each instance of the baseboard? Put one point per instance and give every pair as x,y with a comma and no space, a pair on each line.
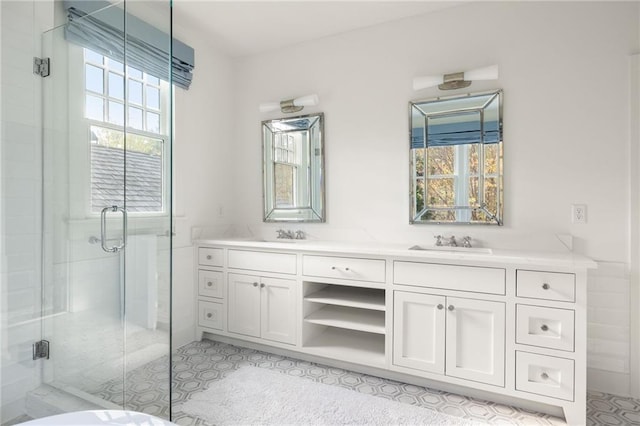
608,382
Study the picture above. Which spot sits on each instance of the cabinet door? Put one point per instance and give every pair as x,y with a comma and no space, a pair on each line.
419,331
475,340
244,304
278,310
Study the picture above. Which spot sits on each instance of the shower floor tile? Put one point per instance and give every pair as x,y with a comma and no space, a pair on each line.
198,364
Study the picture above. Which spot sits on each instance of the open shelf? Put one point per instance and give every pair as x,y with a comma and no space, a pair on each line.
349,318
355,297
350,346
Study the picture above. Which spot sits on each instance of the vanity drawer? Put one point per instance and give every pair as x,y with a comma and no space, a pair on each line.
262,261
545,327
545,375
210,256
450,277
210,284
546,285
347,268
211,315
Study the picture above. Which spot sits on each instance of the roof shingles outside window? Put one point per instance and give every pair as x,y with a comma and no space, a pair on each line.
143,180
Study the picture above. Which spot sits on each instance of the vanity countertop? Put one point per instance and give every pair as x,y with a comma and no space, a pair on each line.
521,257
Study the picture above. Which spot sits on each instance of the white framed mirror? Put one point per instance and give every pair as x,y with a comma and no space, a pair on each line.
456,159
293,169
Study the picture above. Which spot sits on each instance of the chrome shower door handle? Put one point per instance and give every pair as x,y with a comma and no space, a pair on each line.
103,229
123,242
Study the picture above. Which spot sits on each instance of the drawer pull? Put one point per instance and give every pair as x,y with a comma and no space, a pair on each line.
346,269
451,307
333,268
440,306
209,284
209,257
544,376
209,315
255,284
544,327
261,285
546,286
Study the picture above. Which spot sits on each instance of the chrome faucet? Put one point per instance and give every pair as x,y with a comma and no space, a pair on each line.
442,241
300,235
282,234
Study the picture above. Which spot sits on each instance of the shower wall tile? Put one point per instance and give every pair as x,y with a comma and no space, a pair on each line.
14,188
19,71
20,170
20,206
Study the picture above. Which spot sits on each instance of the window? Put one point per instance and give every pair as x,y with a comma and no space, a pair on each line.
451,175
285,169
119,98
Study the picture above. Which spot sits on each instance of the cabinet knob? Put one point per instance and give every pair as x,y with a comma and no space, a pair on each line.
544,376
544,327
346,269
255,284
333,268
209,257
451,307
546,286
209,315
209,284
262,285
440,306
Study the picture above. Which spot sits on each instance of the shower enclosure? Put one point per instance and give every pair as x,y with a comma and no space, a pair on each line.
106,111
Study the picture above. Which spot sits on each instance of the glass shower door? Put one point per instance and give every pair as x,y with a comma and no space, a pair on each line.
107,215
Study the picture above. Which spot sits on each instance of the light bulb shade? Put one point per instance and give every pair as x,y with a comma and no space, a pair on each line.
308,100
486,73
269,106
456,80
427,81
290,105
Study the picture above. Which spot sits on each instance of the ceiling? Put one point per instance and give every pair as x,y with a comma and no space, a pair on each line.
243,28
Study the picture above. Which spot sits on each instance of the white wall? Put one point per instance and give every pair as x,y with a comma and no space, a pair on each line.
202,157
565,74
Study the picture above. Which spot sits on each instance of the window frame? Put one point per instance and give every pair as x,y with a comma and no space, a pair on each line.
81,141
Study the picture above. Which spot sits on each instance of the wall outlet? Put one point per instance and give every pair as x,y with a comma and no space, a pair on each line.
578,213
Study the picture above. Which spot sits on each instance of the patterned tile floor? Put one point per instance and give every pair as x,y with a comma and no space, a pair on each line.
200,363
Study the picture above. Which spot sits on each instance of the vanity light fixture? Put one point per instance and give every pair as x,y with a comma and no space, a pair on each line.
290,105
456,80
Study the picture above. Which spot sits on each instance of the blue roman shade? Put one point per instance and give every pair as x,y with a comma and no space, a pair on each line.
460,133
147,48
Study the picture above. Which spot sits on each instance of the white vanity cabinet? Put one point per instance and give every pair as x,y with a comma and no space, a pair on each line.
262,307
437,332
551,336
344,310
211,291
504,326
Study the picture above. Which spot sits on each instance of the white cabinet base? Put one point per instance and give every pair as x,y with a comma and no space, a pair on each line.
508,328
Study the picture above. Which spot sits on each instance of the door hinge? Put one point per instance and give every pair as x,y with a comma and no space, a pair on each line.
41,349
41,66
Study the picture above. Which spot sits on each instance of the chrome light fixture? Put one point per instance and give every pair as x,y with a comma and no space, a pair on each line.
290,105
456,80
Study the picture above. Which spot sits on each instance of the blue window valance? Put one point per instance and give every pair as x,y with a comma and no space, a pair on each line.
460,133
147,48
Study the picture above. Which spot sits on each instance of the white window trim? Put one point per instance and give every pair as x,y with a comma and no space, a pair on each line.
79,147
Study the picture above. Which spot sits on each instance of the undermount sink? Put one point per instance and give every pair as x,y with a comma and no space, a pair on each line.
279,240
453,249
